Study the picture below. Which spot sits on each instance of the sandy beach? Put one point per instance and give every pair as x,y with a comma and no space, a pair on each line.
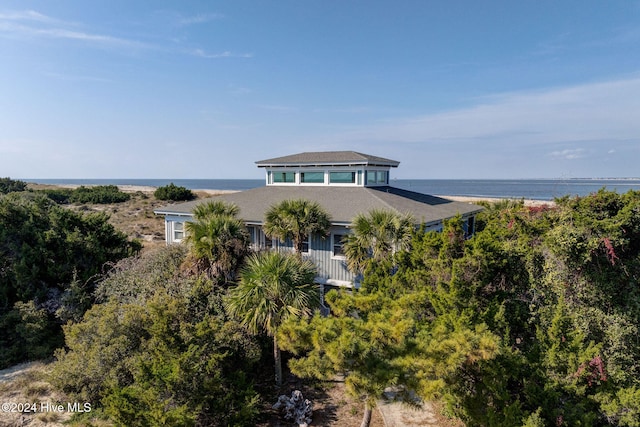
470,199
214,192
128,188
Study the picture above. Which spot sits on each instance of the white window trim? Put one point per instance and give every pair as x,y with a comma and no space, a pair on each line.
325,177
333,255
174,230
376,183
343,184
272,181
308,252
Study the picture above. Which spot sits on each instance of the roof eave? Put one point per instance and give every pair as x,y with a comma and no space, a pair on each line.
320,164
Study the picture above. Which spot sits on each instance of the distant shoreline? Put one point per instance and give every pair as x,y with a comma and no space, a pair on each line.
476,199
147,189
125,188
478,189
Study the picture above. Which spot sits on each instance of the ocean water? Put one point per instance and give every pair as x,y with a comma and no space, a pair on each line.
537,189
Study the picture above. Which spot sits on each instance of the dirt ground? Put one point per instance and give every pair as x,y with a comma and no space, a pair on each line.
331,405
27,382
28,400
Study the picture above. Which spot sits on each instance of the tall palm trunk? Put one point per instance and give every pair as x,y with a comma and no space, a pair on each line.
278,359
366,419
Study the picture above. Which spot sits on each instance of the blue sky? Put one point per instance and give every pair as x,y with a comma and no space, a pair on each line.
189,89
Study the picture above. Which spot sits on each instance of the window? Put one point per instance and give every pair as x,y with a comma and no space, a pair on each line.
371,177
284,177
306,244
178,231
338,244
342,177
377,177
268,243
471,222
312,177
252,234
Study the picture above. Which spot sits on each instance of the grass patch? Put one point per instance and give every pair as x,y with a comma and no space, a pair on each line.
49,417
36,389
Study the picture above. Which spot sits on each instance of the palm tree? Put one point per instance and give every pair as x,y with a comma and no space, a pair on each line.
274,287
296,220
219,241
215,208
376,236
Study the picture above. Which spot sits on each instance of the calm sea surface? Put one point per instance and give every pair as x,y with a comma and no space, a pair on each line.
540,189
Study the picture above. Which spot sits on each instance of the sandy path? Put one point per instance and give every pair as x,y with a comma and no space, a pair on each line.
470,199
13,372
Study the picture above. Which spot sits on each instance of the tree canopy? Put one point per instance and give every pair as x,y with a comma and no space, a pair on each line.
218,240
174,193
49,260
160,350
274,287
532,321
8,185
296,220
377,235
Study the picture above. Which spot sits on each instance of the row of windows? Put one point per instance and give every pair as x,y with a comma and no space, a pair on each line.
262,241
335,177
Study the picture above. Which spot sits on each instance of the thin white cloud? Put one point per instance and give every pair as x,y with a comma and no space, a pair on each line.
30,24
26,15
239,90
623,35
200,18
599,111
568,154
226,54
74,77
554,46
33,24
97,38
272,107
347,110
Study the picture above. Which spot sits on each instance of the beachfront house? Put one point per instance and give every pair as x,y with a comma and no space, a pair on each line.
344,183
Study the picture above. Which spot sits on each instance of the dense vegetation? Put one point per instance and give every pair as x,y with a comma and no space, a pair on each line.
160,350
174,193
49,259
173,341
97,194
296,220
8,185
533,321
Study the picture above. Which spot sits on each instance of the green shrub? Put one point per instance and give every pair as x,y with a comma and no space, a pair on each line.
50,258
59,195
160,349
174,193
101,194
8,185
28,333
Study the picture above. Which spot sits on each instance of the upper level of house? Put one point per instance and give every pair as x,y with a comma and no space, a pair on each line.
328,168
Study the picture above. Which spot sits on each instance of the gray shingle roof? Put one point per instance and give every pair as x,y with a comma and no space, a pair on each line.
342,203
328,158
